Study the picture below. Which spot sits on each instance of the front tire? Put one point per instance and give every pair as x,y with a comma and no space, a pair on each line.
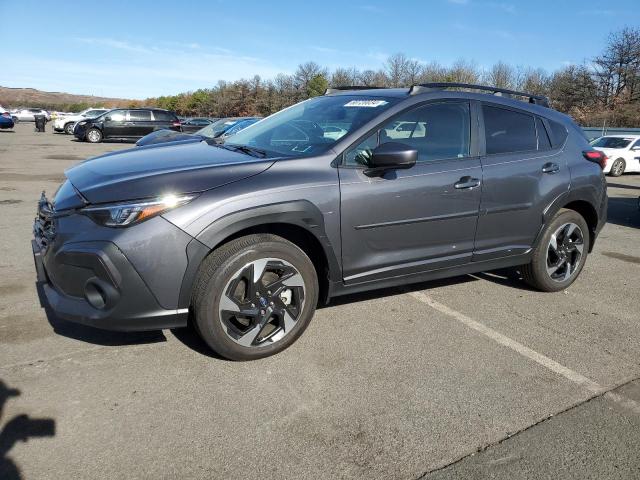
254,297
561,253
618,167
94,135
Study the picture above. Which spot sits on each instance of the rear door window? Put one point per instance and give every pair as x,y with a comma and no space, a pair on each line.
140,115
508,131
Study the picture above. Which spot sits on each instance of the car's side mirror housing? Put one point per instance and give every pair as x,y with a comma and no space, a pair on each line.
391,156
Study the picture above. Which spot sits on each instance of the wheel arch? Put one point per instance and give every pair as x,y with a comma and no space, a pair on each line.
582,205
299,222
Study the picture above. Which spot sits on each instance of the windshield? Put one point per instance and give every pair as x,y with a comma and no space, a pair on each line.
612,142
313,126
217,128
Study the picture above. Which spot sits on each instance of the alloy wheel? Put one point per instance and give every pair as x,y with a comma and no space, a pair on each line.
262,302
564,252
94,136
618,168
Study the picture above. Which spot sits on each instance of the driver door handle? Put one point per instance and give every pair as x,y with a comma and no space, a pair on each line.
467,182
550,167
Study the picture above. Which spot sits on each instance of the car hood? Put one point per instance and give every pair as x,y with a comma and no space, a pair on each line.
155,170
72,118
164,136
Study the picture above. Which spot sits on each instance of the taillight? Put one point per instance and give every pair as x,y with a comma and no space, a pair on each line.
597,157
176,124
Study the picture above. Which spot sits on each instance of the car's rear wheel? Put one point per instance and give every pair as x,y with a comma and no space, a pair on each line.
618,167
561,253
68,128
94,135
254,297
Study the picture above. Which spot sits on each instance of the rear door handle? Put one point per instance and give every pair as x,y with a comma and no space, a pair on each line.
467,182
550,168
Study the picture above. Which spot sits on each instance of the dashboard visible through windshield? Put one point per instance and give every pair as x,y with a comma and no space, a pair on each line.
311,127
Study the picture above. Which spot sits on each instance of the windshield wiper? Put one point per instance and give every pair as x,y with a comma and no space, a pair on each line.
253,151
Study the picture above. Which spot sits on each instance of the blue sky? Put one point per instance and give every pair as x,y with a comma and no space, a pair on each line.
138,49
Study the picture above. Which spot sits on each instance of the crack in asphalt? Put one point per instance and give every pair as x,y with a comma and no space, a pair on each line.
608,394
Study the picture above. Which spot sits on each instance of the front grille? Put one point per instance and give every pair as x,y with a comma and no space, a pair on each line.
44,228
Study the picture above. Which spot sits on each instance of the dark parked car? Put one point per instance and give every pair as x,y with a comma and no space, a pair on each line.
217,132
125,124
6,121
190,125
248,236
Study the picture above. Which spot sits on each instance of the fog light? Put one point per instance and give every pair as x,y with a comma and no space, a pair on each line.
100,294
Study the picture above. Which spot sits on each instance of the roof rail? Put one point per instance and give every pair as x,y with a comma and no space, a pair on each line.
426,87
331,90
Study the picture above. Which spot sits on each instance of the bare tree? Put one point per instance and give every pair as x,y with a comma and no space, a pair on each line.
501,75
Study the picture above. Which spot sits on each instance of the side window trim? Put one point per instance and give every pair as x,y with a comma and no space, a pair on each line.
539,120
470,103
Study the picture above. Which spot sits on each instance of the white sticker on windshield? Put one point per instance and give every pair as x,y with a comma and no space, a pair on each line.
366,103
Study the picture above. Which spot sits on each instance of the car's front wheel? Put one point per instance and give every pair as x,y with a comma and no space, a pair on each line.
561,253
254,296
94,135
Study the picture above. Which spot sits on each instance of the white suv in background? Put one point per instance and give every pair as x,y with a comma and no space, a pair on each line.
622,151
66,124
28,114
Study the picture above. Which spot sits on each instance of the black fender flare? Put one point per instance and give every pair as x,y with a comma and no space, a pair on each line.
299,213
584,194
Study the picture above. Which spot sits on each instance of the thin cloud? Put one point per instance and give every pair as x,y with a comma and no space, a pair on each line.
115,44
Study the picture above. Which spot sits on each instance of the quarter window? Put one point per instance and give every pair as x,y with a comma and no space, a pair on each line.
558,134
508,131
437,131
164,116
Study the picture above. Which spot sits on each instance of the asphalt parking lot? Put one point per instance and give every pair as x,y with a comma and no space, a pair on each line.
473,377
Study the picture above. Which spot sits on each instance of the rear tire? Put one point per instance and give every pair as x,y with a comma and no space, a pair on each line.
560,254
93,135
254,297
618,167
68,128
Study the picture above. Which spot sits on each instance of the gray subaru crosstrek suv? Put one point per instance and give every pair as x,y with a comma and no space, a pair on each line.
354,190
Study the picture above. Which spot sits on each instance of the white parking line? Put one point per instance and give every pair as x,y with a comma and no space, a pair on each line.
525,351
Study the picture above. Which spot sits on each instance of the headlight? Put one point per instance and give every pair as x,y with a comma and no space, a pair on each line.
125,214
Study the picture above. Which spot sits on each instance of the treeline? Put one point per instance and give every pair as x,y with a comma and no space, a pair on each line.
602,90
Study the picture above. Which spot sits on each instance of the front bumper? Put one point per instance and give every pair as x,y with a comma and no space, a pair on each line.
79,131
95,284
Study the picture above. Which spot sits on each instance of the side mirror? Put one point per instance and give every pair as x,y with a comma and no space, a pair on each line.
391,156
107,119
